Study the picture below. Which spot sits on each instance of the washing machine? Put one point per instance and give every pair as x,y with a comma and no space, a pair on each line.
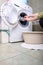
12,13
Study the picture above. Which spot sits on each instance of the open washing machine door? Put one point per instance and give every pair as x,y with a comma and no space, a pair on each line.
9,14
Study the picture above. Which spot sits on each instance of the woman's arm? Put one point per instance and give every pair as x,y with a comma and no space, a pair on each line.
34,17
40,15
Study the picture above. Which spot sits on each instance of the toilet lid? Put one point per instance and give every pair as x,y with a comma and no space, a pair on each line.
9,14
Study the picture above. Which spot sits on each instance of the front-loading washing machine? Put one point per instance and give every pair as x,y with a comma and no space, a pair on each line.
12,13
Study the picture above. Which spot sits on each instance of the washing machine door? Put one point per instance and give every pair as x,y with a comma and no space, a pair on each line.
9,14
22,13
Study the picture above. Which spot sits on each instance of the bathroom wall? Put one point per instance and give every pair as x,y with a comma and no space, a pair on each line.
37,5
2,1
0,28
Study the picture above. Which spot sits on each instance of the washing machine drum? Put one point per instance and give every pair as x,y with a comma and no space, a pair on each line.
23,13
9,14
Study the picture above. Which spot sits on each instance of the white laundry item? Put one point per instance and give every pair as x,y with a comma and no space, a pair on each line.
32,46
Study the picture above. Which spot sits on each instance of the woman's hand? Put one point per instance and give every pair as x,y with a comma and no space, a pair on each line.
33,17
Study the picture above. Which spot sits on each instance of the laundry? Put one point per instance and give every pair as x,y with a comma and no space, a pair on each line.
32,46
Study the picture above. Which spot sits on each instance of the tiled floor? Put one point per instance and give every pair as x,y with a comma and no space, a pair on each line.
14,54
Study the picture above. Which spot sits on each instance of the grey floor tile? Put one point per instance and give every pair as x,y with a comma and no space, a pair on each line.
10,50
14,54
26,58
